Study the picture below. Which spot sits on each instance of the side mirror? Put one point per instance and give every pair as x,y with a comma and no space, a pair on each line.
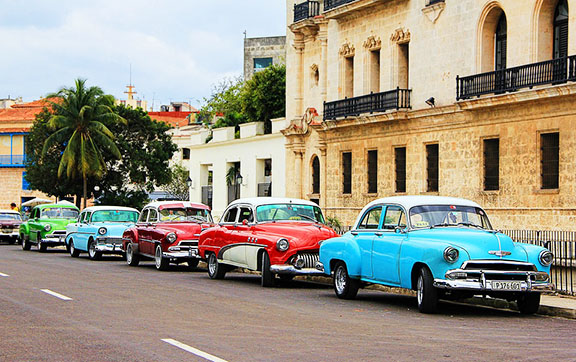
245,222
400,230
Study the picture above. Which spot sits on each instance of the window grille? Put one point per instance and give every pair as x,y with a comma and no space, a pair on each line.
432,167
492,164
400,162
550,156
347,172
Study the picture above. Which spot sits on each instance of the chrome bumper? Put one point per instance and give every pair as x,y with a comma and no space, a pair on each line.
109,248
13,234
182,254
291,269
476,280
54,239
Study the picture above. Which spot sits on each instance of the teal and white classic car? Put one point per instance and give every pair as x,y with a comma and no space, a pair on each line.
444,248
99,230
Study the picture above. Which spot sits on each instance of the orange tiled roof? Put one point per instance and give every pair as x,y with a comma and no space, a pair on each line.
175,119
21,114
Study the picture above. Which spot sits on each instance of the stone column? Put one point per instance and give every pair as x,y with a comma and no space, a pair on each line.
298,156
323,174
298,97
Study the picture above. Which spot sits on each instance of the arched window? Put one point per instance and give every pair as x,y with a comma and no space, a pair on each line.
500,42
315,175
561,30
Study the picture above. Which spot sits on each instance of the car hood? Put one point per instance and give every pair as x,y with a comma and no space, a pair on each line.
10,223
113,229
57,224
479,244
299,234
184,230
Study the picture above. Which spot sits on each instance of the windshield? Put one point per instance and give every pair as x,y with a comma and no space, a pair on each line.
9,216
59,213
448,215
185,214
289,212
115,216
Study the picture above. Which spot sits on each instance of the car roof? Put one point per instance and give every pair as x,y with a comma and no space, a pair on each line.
9,212
112,208
259,201
66,206
183,204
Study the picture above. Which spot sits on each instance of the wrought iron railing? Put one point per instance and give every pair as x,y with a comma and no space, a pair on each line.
12,160
563,245
553,71
265,189
306,10
370,103
331,4
432,2
207,195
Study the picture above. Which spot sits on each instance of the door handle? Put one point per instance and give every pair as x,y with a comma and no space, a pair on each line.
378,234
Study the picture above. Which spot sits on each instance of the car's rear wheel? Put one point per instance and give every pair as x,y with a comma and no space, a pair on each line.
160,261
132,258
268,278
93,254
73,251
528,303
215,269
427,294
25,242
41,246
344,286
192,263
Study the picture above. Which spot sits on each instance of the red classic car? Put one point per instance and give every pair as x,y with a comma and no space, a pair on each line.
168,232
276,236
9,225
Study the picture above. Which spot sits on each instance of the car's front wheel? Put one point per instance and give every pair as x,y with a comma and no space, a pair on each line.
132,258
93,254
268,278
25,242
528,303
73,251
344,286
41,246
215,269
159,259
427,294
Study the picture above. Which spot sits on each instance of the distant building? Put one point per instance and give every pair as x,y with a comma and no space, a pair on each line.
9,102
260,53
15,124
134,103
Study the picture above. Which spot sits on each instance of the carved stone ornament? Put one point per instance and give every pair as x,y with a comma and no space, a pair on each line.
301,126
314,68
373,43
433,11
347,50
400,36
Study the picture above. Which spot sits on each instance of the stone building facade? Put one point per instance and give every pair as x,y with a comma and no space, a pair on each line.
260,53
468,98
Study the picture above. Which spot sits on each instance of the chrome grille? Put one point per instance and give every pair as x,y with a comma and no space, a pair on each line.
189,243
497,265
59,232
310,259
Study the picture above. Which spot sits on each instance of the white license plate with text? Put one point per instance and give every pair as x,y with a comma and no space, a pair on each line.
501,285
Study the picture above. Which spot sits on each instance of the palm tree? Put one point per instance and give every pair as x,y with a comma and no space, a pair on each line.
79,113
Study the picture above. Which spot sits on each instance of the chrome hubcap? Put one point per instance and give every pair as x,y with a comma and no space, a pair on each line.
92,249
340,280
420,288
129,254
71,248
158,257
212,264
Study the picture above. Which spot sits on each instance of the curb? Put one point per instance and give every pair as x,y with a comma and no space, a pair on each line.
545,310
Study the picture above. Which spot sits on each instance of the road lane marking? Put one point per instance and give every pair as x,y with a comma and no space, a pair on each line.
193,350
57,295
4,275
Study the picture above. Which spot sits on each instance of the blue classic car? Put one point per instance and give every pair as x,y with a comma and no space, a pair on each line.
99,231
444,248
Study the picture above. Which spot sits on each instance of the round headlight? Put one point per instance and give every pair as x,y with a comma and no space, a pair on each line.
451,254
47,227
282,245
546,257
102,231
171,237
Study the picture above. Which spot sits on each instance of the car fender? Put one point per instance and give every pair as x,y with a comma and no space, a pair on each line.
24,229
342,248
130,235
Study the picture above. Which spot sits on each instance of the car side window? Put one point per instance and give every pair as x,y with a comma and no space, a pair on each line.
371,219
34,214
230,216
87,218
394,217
153,216
143,216
246,214
81,217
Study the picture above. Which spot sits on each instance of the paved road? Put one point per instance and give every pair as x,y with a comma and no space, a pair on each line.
121,313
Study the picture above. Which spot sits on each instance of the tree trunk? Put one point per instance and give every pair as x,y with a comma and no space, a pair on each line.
85,186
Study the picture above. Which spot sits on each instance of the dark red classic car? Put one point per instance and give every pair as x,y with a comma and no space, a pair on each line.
9,225
277,236
167,232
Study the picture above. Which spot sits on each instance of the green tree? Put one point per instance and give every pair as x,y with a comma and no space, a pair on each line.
177,187
225,102
264,96
146,149
79,115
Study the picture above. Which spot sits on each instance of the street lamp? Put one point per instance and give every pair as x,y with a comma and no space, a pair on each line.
239,179
189,182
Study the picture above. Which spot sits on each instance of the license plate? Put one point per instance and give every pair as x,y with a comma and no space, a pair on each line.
513,286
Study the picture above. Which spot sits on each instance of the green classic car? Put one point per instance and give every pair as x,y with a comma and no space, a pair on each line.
47,226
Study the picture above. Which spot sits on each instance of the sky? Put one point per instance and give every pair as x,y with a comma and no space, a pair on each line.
177,50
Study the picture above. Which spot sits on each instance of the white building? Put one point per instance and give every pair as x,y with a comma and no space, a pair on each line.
260,160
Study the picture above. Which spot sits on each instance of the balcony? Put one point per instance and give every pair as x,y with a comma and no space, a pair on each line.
331,4
370,103
12,160
555,71
306,10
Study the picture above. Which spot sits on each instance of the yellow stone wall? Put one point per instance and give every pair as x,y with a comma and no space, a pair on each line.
441,47
11,181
